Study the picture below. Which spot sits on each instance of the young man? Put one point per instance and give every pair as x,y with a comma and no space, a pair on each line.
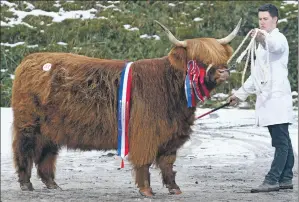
274,100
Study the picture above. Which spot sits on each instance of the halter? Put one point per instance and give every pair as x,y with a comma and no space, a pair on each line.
194,83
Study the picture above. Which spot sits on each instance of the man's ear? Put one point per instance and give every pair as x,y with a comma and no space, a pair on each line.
275,19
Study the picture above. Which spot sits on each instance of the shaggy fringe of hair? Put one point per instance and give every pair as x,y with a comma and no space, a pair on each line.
203,50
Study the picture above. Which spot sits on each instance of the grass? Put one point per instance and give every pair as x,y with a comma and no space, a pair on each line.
107,38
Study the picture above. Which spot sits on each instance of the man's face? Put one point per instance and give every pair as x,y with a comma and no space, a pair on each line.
266,22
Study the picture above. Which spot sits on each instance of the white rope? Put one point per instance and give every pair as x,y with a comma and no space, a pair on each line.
251,51
238,48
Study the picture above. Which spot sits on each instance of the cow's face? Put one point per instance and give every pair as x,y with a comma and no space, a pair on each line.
213,53
213,56
216,75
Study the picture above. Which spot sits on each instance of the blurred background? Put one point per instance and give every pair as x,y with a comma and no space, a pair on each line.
126,30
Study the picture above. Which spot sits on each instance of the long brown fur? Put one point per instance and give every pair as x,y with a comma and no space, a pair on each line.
75,105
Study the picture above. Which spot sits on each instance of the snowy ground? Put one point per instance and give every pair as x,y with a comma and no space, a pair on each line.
226,156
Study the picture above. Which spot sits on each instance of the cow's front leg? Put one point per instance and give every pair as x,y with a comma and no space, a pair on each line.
143,180
165,163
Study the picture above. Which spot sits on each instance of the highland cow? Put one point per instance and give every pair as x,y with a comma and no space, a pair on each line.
74,104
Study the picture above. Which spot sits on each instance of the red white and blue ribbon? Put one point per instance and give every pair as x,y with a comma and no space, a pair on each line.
191,102
194,84
124,94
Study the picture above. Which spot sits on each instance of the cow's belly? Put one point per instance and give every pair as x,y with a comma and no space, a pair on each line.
79,134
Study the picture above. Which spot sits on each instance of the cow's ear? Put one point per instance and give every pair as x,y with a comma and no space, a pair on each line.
178,58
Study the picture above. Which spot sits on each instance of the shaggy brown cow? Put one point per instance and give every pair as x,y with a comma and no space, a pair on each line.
74,104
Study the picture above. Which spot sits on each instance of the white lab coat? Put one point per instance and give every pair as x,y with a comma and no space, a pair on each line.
274,99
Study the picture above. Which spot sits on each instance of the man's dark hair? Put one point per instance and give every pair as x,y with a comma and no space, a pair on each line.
273,11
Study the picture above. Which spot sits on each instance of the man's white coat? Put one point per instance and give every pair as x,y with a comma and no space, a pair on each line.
274,98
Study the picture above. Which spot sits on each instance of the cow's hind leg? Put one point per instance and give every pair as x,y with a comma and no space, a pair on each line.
45,159
165,163
23,149
143,180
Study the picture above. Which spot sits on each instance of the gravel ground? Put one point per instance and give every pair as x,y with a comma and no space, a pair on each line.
201,174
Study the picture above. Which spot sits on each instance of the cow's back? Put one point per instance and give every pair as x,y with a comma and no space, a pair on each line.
74,97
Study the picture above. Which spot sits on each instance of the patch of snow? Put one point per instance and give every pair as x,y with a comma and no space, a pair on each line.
149,37
294,94
113,2
290,2
156,37
134,29
62,43
57,4
7,3
197,19
102,17
220,96
33,46
29,5
116,9
127,26
57,17
144,36
244,105
12,45
282,20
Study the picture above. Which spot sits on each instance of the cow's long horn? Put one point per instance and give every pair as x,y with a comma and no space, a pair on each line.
231,36
171,37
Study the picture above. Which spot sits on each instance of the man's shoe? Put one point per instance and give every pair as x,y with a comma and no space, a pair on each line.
285,185
266,187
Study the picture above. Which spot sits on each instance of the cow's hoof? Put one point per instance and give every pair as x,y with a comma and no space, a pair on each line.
147,192
53,185
174,191
26,186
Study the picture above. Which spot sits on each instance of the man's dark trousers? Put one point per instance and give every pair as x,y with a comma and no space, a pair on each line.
283,162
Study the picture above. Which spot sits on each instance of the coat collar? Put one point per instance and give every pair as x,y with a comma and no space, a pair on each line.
275,30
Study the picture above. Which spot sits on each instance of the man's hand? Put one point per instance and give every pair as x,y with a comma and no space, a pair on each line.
233,100
260,37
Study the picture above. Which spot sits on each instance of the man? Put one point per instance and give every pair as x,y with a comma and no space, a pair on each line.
274,99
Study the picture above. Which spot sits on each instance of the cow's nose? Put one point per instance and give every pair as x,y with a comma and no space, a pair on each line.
223,74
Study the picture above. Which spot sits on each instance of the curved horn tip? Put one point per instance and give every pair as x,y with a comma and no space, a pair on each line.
232,35
238,25
159,23
172,38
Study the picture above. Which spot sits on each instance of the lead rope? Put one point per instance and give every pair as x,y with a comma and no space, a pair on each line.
251,51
